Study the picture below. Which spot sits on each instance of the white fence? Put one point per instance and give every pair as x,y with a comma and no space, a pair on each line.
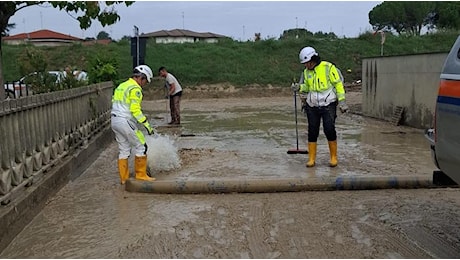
37,131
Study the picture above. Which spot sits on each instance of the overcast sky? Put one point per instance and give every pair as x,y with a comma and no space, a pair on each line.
239,20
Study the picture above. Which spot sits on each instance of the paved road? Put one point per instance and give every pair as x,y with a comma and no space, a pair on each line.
94,217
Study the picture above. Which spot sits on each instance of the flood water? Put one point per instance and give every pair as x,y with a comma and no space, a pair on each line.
261,139
93,217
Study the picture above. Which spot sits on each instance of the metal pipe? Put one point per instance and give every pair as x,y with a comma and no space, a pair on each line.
183,186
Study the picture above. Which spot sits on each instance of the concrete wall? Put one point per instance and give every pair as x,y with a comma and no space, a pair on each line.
409,81
174,39
184,39
41,42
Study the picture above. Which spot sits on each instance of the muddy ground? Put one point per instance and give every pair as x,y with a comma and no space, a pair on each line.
247,135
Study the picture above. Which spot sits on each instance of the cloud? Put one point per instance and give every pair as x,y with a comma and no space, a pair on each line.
237,19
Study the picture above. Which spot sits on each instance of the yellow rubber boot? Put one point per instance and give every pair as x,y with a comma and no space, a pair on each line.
140,167
123,170
311,154
333,152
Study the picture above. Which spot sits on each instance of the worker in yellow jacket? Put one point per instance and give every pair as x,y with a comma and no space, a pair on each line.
321,90
126,113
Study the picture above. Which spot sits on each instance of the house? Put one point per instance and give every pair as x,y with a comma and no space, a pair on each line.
41,38
182,36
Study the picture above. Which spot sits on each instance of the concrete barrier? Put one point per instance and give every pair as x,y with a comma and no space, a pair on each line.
17,214
407,81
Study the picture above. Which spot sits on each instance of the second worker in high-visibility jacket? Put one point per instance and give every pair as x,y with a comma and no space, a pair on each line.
126,114
321,90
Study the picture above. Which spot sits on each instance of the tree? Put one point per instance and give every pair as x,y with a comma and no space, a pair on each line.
257,37
126,38
295,33
7,30
447,15
403,17
86,12
103,35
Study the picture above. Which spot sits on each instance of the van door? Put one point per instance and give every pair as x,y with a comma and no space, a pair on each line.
447,122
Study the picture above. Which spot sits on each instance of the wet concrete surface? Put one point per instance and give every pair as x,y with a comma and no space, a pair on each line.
254,142
94,217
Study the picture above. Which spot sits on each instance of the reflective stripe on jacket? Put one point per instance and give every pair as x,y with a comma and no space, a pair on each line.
126,101
322,85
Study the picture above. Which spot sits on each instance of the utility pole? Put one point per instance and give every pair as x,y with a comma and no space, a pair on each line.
296,29
136,33
183,26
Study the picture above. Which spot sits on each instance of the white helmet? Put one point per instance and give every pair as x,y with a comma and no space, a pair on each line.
144,69
306,54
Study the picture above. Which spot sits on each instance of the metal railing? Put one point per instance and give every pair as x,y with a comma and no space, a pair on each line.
16,89
36,131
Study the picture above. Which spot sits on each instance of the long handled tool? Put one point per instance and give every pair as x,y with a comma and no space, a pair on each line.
296,150
167,102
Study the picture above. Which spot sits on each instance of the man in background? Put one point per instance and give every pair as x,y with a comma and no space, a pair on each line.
174,92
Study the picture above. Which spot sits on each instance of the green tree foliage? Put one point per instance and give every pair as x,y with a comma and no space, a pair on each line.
32,60
125,38
7,29
103,68
303,33
91,11
408,17
295,33
103,35
85,11
447,15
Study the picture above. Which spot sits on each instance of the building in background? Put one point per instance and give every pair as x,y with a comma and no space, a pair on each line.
182,36
41,38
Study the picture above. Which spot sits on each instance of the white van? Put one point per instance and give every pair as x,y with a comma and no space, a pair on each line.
444,138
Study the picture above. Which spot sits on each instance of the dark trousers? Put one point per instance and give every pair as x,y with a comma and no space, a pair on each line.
174,107
328,114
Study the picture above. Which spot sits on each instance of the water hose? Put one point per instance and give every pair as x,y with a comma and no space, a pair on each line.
186,186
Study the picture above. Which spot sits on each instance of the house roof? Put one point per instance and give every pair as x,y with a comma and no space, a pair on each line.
181,33
41,34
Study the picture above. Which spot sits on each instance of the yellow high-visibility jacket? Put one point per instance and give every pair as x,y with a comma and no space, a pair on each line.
126,101
322,85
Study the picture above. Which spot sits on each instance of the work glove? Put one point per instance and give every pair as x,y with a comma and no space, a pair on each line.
343,106
149,129
295,87
303,102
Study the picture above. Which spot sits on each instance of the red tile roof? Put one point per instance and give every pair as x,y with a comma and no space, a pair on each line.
41,34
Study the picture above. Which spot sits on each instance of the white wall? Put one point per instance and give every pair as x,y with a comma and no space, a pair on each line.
409,81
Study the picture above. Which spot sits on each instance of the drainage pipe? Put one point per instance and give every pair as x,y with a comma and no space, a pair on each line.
185,186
